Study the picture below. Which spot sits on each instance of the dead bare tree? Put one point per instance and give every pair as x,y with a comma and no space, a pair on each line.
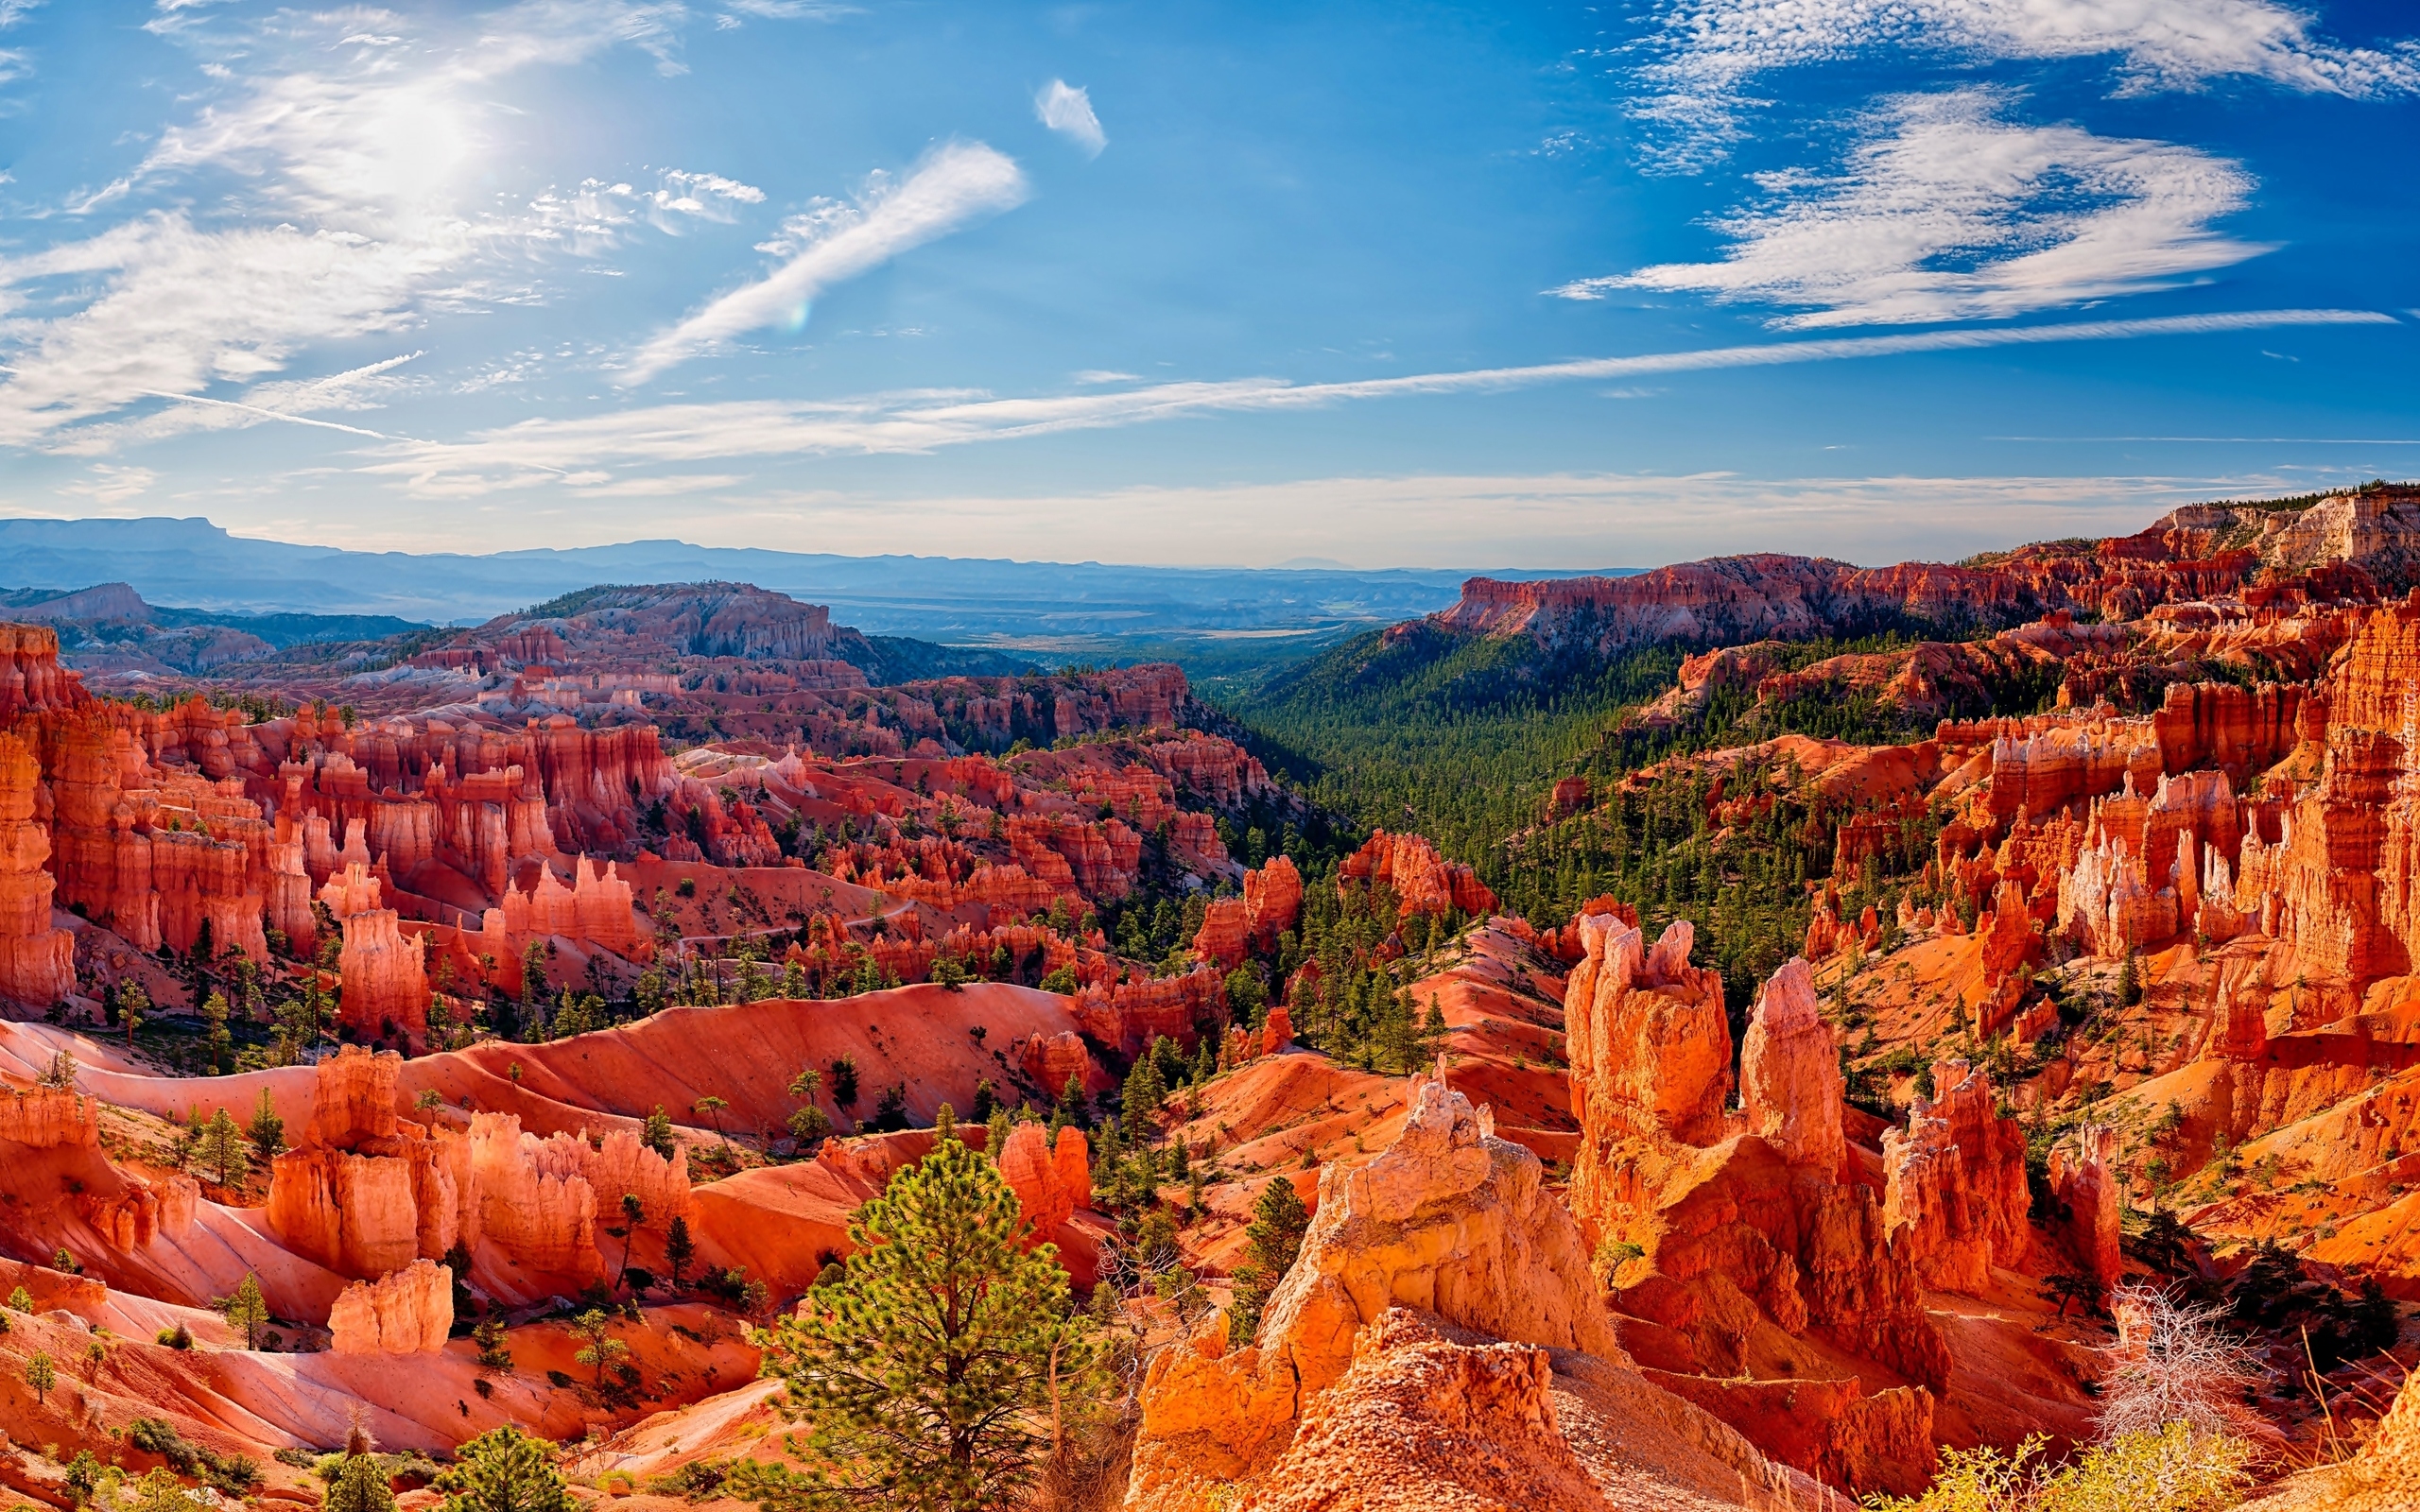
2173,1362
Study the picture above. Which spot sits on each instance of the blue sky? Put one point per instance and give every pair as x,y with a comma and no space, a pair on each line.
1398,284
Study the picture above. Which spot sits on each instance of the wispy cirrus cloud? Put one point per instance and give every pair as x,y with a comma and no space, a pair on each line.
541,450
953,187
328,187
1704,54
1950,212
1069,111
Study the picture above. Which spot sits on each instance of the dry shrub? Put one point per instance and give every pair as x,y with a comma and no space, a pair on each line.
2172,1469
2173,1364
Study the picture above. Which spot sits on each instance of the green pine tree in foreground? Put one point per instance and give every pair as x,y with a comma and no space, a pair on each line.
941,1370
1271,1240
504,1470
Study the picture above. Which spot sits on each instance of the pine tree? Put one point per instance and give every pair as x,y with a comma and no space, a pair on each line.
504,1470
1072,1108
1145,1091
679,1248
495,1354
934,1372
1271,1241
267,1130
602,1348
217,1042
221,1148
656,1133
360,1483
41,1376
247,1311
1433,1031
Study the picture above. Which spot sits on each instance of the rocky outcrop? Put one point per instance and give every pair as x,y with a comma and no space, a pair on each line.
543,1215
1449,1219
356,1214
31,680
352,1098
1128,1015
36,962
49,1118
1730,1225
2359,541
1833,1430
1789,1073
1225,934
2090,1192
386,983
1956,1197
1051,1181
1423,881
1272,901
1650,1044
408,1312
1428,1417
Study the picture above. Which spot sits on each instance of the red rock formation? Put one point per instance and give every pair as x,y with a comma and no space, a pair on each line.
36,962
544,1218
1129,1014
2084,1178
352,1098
1423,881
45,1118
1278,1033
386,986
1272,901
408,1311
1650,1044
1045,1190
1448,1214
1726,1224
1956,1196
1831,1429
354,1214
1224,936
1049,1061
1789,1073
32,681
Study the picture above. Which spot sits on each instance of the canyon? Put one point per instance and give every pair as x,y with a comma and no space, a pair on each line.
605,957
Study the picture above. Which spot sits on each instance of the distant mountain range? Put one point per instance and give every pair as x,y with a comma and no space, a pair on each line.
198,565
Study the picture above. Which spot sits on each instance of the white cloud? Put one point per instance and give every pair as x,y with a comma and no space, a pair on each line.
1710,49
1948,211
538,451
334,193
106,486
956,183
1069,113
790,10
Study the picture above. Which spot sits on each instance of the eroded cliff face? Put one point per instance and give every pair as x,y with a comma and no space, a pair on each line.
1715,1226
407,1310
36,962
1423,881
1450,1220
2361,543
368,1193
1439,1328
